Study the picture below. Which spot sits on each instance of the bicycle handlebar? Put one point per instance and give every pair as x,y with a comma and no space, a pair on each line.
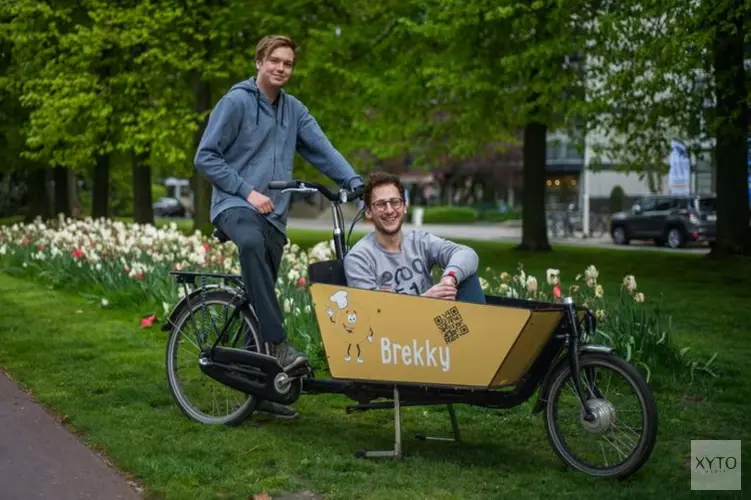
339,196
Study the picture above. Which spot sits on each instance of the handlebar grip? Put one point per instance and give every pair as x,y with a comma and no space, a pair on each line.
282,185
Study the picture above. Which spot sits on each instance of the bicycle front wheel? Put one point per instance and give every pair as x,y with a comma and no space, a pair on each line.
196,328
621,437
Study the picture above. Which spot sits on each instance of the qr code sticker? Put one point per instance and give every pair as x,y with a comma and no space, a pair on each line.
451,325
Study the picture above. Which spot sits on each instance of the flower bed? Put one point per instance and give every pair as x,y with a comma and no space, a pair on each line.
639,330
118,264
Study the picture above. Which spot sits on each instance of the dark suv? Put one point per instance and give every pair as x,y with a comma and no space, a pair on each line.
668,220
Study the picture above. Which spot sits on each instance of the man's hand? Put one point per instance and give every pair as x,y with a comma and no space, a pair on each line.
261,202
449,279
445,289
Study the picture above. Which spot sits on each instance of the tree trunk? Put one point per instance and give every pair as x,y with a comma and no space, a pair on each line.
62,198
534,228
39,205
76,210
100,202
201,186
731,149
143,211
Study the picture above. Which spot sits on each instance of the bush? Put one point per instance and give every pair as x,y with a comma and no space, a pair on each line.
617,199
449,215
496,216
158,191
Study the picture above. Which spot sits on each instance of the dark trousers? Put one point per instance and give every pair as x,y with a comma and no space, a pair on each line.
260,246
470,290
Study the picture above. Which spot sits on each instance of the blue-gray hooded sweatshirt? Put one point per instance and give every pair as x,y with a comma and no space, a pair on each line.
249,142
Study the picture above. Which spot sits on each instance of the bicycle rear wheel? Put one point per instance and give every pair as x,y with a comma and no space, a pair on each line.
199,396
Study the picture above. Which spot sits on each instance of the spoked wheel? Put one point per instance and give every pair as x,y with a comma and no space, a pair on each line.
199,396
621,437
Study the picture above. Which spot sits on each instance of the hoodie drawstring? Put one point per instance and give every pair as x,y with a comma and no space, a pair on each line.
256,92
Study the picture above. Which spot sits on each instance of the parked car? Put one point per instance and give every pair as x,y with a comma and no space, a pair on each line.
168,207
667,220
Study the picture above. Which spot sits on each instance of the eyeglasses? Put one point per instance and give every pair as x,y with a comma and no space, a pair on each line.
396,204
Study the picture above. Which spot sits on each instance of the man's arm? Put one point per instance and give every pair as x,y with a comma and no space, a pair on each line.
359,272
315,147
460,259
221,131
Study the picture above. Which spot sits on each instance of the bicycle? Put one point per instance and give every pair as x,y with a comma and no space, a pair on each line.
496,355
567,223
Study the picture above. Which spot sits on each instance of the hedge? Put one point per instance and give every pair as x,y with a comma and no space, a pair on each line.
464,215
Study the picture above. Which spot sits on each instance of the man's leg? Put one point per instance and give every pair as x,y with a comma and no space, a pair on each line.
260,255
470,290
259,267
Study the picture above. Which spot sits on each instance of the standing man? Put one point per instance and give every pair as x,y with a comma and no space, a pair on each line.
393,260
250,140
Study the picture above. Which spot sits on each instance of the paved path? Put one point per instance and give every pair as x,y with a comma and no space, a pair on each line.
490,232
40,459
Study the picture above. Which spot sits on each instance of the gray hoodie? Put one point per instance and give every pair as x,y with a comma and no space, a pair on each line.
249,142
368,265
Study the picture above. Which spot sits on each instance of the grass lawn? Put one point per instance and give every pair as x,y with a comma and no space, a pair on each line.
106,376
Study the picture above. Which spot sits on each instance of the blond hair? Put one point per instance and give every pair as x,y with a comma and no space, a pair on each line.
270,43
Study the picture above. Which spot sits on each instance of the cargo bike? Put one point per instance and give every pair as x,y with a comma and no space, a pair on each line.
387,351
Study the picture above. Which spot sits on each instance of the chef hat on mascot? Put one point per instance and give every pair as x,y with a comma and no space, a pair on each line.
340,299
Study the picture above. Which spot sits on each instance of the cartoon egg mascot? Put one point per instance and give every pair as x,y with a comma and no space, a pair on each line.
353,325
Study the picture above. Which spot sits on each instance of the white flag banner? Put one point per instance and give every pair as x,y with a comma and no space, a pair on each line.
680,169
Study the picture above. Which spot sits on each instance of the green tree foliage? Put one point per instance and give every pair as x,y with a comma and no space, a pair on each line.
669,68
438,80
453,76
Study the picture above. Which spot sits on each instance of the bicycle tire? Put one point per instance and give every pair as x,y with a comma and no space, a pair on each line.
237,416
647,439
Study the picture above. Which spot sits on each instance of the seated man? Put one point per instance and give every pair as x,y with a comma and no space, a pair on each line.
396,261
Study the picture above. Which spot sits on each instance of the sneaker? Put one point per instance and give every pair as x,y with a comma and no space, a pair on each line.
276,410
286,354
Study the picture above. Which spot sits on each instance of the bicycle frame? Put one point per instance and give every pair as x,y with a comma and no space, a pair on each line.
536,344
185,277
340,243
566,343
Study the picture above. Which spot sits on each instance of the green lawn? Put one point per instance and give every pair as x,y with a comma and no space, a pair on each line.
106,376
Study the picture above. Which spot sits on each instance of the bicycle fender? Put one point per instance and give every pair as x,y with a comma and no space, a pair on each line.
183,303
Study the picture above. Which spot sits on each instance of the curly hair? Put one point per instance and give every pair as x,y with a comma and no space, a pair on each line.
376,179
